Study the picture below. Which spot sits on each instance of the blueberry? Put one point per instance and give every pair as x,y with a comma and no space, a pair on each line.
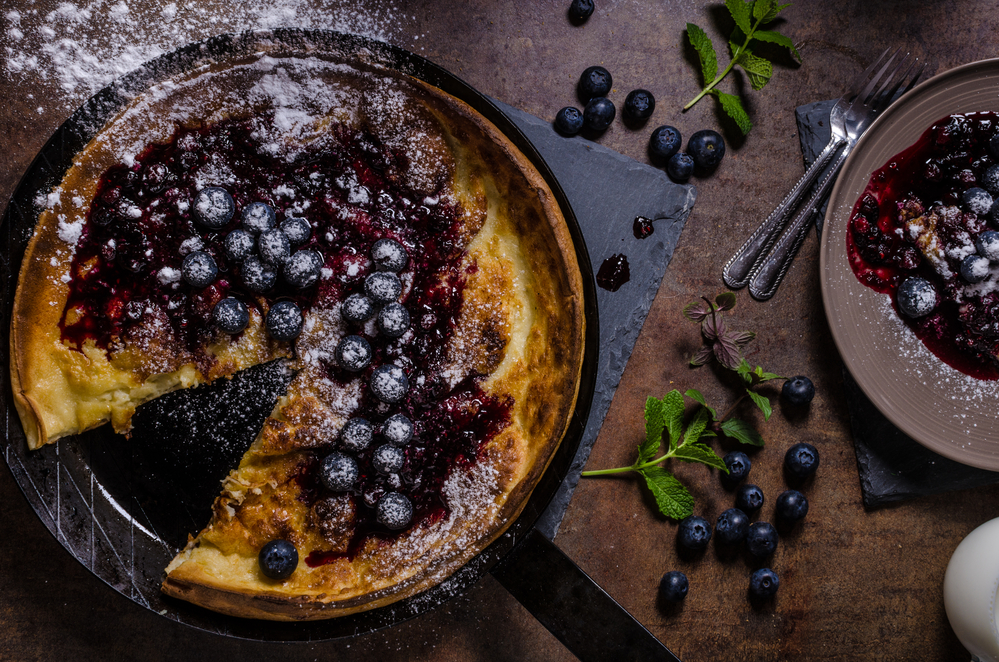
258,217
595,82
580,10
673,586
801,460
694,533
397,430
680,166
394,511
974,268
761,539
298,230
238,245
278,559
356,435
763,583
598,114
357,308
732,526
389,255
798,391
389,383
707,148
916,297
664,143
990,180
639,105
382,287
569,121
738,464
231,315
353,353
749,498
213,207
338,472
792,506
199,269
284,321
273,246
977,201
393,320
303,268
388,459
257,276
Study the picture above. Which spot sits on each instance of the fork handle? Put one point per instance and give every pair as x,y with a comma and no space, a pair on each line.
768,274
738,270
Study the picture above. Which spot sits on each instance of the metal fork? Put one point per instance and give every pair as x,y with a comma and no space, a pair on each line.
877,95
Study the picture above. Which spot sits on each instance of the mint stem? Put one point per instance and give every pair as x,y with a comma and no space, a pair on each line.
719,77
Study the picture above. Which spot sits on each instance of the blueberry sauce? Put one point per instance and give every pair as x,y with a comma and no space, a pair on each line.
614,272
642,227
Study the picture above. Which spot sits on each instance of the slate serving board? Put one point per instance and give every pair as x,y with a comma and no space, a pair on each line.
892,466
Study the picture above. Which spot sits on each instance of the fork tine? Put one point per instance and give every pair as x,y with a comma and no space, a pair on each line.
879,98
858,84
865,95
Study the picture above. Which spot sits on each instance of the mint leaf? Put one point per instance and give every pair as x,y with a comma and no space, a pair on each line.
727,353
762,402
702,357
759,69
767,376
671,496
741,338
741,431
725,301
740,12
762,9
774,37
700,453
673,409
655,423
732,106
696,311
713,327
772,14
745,371
694,430
705,51
695,395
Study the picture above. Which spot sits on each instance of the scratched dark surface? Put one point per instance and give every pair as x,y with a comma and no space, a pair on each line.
855,584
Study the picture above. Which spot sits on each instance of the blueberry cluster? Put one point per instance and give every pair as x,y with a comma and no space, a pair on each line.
705,150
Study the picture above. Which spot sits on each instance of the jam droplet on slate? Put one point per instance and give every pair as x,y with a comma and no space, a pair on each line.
643,227
614,273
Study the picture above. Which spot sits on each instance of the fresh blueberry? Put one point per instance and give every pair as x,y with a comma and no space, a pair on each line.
974,268
680,166
732,526
664,143
987,245
382,287
303,268
792,506
231,315
990,180
707,148
580,10
749,498
258,217
977,201
397,430
738,464
356,435
673,586
916,297
639,105
278,559
394,511
353,353
338,472
257,276
238,245
297,229
213,207
598,114
284,321
393,320
273,246
388,459
694,533
595,82
199,269
569,121
798,391
389,255
761,539
357,308
801,460
763,583
389,383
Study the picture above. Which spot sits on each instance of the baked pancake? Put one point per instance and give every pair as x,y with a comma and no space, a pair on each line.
380,236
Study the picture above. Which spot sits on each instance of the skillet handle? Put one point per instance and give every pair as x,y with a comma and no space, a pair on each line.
572,606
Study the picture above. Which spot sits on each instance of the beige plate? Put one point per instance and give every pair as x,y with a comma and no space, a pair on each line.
948,412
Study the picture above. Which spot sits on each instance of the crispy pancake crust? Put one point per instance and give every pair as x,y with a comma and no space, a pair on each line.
521,326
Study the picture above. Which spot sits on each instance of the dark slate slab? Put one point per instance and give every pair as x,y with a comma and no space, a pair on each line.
892,466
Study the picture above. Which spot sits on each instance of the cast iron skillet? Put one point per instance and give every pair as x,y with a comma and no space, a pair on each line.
124,507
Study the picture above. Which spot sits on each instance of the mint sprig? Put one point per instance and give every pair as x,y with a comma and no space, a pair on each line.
748,18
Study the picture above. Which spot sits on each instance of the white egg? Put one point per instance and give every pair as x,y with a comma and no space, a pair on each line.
970,586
